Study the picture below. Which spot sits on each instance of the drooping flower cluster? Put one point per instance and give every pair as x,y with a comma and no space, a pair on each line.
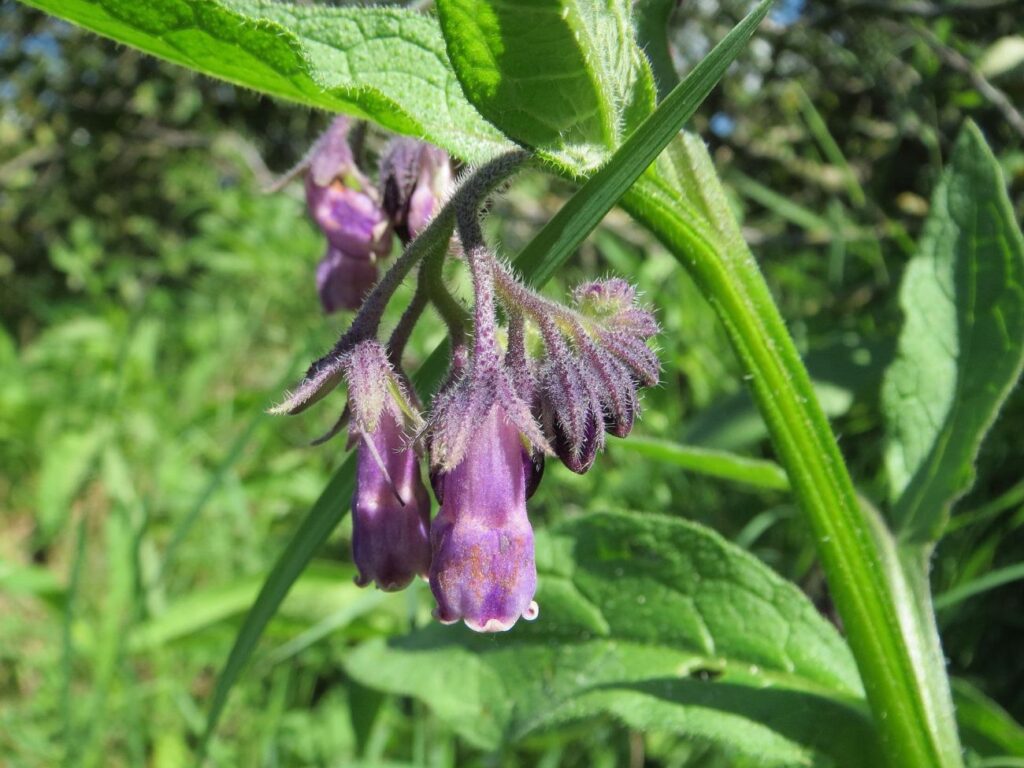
506,404
357,218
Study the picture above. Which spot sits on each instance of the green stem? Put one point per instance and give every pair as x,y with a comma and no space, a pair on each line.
452,313
909,726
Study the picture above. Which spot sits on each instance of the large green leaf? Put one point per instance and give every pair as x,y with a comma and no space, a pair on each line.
385,64
962,344
654,620
564,76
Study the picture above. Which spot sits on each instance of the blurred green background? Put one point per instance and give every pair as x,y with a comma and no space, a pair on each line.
154,301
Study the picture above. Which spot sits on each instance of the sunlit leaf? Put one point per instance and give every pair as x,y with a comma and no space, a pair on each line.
563,76
585,210
385,64
658,622
962,345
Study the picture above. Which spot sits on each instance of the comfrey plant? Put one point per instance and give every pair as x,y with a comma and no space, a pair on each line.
656,621
503,407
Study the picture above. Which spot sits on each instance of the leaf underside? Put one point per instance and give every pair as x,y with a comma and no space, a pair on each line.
385,64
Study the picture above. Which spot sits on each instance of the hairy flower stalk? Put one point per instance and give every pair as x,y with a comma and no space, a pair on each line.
326,372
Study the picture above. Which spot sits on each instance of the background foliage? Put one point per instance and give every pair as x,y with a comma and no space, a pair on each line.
154,301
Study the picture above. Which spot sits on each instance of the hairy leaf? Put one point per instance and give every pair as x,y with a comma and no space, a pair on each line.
584,210
658,622
962,344
563,76
385,64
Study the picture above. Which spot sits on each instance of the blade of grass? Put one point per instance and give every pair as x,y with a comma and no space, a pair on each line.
542,256
759,524
758,473
816,125
67,656
325,514
108,649
330,624
221,472
779,204
988,510
991,580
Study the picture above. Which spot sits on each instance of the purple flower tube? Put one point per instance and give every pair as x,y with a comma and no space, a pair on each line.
352,220
390,510
390,506
483,568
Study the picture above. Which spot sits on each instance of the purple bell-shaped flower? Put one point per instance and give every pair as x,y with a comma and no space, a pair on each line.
342,281
483,570
415,179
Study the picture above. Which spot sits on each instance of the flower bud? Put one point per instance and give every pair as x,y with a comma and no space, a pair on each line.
432,188
572,412
483,569
578,454
342,281
344,205
603,298
330,156
415,178
635,354
616,385
613,303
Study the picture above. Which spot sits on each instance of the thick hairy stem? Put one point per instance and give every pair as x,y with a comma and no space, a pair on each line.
547,314
486,353
325,373
515,356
